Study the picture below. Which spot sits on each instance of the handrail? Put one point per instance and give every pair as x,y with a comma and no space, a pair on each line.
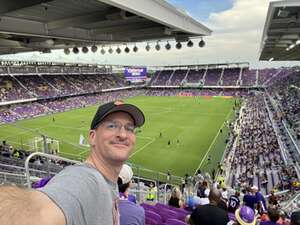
55,157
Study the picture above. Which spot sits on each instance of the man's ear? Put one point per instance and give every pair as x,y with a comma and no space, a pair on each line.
92,137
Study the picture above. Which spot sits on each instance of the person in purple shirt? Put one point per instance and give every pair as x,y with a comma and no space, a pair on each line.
260,199
130,213
249,200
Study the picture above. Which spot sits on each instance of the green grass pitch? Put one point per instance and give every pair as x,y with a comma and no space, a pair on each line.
194,122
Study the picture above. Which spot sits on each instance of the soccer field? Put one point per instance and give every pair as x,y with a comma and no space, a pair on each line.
191,125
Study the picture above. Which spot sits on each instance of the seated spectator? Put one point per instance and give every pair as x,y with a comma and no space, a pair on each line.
130,213
210,214
176,198
273,199
273,215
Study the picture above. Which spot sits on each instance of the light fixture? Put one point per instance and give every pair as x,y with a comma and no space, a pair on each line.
94,48
147,47
75,50
110,50
157,46
178,45
118,50
168,46
126,50
67,51
84,49
190,44
201,43
102,51
135,48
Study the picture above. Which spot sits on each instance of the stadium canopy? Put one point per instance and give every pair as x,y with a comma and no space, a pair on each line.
42,25
281,35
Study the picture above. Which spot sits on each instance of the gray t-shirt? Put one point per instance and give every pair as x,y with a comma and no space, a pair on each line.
84,196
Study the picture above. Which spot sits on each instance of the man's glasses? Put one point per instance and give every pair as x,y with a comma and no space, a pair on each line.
116,127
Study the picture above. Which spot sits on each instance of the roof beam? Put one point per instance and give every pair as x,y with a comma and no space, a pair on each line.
13,5
122,28
76,21
284,31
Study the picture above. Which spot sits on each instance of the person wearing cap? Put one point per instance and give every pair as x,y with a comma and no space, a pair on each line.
260,199
85,193
244,216
130,213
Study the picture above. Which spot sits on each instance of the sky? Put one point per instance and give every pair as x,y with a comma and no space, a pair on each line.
237,31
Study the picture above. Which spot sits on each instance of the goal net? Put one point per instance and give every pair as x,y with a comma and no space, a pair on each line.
37,144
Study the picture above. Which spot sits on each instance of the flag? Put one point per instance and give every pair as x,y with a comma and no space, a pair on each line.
81,139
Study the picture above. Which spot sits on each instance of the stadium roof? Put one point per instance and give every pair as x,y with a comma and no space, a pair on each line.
41,25
281,35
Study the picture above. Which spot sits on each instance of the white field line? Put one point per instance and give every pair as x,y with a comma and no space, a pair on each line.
67,127
144,137
144,146
212,143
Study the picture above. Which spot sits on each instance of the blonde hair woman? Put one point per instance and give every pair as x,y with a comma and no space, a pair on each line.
176,198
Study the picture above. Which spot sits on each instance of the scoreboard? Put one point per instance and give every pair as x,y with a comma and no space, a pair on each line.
135,74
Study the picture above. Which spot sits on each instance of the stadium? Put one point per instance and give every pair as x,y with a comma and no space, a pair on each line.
224,126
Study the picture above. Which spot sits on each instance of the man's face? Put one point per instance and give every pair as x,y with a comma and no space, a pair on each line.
114,138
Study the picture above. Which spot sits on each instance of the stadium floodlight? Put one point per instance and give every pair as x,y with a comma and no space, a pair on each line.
178,45
126,50
110,50
190,44
135,48
118,50
84,49
168,46
201,43
102,51
75,50
67,51
147,47
94,48
157,46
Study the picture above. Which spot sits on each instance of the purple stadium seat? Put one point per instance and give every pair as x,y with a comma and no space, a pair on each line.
153,216
150,221
168,214
174,222
148,207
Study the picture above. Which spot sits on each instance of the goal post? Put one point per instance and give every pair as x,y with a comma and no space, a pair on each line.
40,144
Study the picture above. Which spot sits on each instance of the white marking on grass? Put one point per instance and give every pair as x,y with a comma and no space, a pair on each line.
212,143
144,146
144,137
66,127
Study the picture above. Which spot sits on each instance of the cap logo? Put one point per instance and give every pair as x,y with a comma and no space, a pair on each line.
119,102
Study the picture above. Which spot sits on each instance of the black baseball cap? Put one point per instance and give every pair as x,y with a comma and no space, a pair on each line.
118,106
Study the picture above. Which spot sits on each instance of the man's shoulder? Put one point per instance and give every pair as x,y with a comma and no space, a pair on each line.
81,170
